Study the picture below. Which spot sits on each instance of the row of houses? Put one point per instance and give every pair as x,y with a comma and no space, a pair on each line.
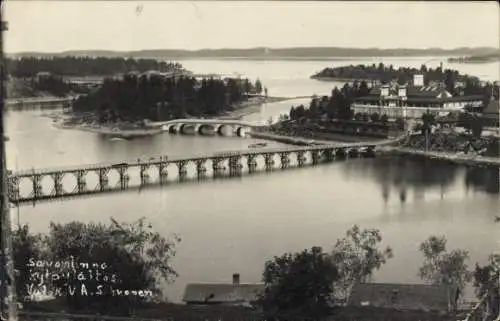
416,99
410,297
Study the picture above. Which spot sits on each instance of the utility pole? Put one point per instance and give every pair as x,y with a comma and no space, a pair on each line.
8,305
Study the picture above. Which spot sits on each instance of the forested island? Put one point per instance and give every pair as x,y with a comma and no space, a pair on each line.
386,73
85,66
158,98
476,59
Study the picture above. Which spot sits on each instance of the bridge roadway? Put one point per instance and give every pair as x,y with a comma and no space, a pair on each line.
326,152
231,160
193,157
197,121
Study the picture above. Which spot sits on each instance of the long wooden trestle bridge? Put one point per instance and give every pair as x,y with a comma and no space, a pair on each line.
31,186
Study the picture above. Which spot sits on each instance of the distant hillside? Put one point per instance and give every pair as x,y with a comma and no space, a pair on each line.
272,53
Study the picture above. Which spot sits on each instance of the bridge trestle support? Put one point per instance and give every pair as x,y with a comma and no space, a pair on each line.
58,189
143,173
37,186
301,158
103,178
315,157
285,160
201,169
124,177
181,166
252,163
163,172
235,167
81,183
329,154
14,193
269,161
218,167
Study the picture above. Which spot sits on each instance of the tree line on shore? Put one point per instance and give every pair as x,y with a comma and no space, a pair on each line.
157,98
476,58
336,106
132,256
27,67
454,82
386,73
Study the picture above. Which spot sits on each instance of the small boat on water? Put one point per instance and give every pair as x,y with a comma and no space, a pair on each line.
257,145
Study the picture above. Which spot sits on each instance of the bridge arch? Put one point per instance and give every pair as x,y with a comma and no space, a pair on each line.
241,130
180,128
353,152
172,128
187,129
203,128
220,129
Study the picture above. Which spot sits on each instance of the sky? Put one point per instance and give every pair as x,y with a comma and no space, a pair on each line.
54,26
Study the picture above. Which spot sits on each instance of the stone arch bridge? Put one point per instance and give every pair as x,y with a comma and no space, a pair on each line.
208,126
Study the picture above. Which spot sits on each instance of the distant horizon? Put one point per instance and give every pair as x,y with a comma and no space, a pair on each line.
461,48
125,26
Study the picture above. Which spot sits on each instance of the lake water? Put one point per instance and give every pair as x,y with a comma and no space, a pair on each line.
234,226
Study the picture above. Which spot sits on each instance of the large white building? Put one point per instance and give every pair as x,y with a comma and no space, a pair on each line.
412,101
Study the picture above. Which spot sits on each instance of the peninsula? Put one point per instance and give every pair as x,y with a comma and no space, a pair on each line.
115,95
120,106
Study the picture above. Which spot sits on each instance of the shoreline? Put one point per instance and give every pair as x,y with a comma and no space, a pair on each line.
251,107
245,108
456,158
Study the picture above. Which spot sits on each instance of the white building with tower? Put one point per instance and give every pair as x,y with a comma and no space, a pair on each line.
413,100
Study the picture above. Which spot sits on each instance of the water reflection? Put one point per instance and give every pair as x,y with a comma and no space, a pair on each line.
483,179
401,175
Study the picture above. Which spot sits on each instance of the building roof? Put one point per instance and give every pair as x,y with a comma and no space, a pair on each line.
222,292
493,108
420,297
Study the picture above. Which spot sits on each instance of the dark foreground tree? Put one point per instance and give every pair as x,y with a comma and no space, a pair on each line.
26,246
357,256
445,268
299,285
486,283
98,263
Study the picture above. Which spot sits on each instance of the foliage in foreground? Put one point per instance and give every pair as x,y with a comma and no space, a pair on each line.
445,268
310,282
300,283
128,257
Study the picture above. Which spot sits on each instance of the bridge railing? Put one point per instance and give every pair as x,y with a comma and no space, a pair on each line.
172,158
206,121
